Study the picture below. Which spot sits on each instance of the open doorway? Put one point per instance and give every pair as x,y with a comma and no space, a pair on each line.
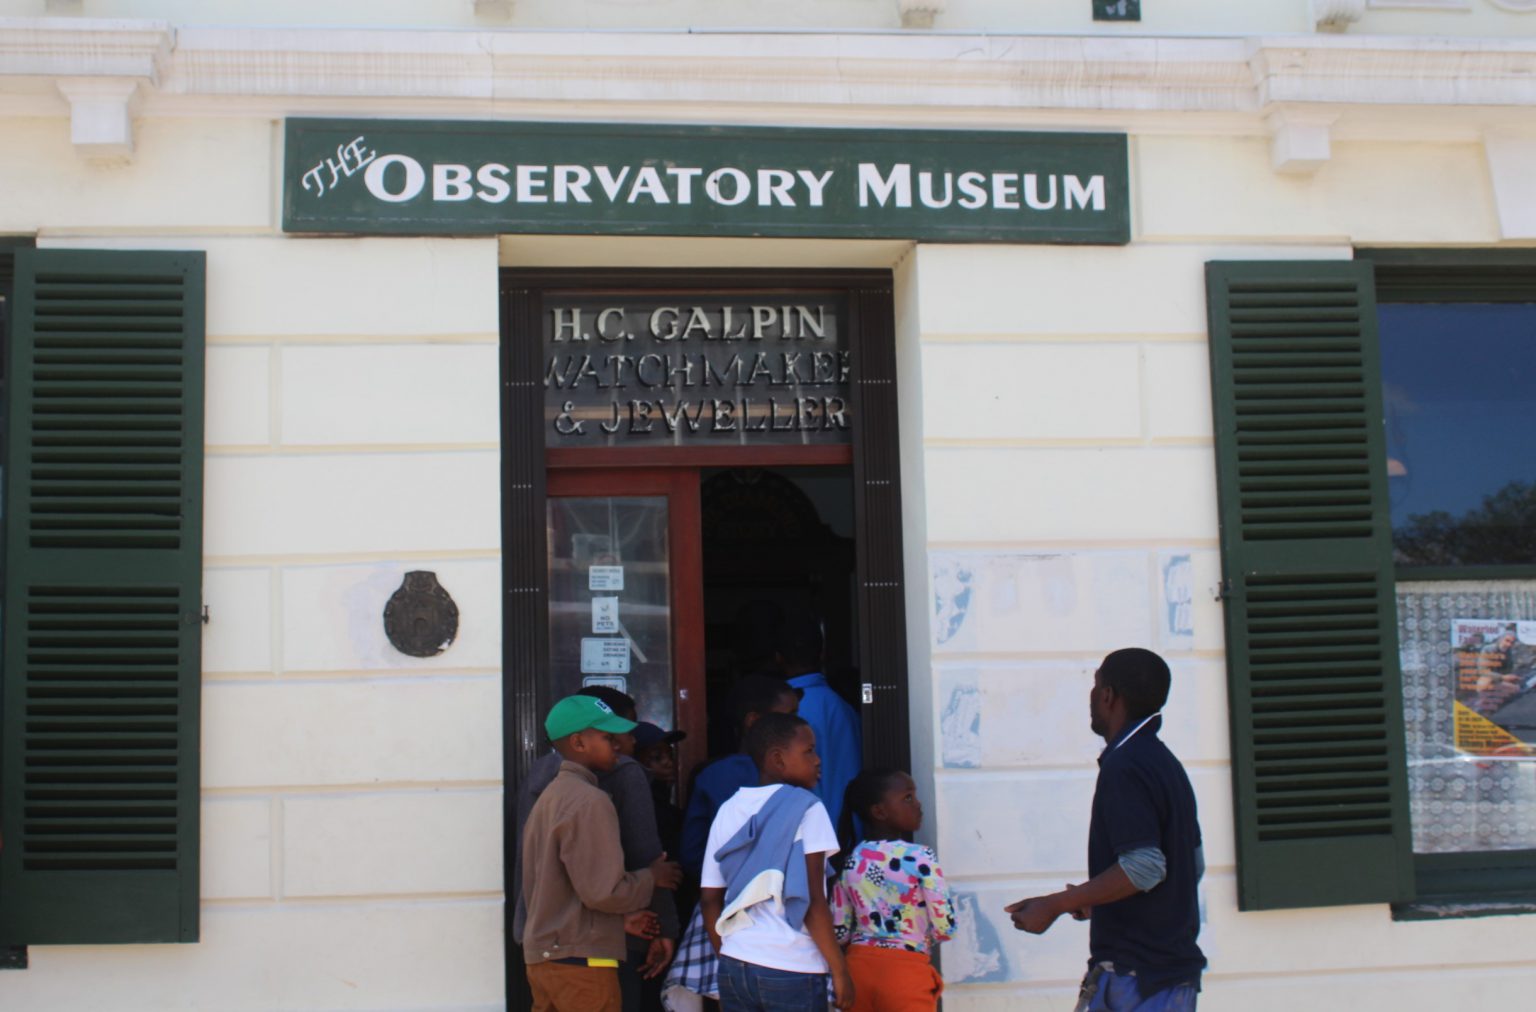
677,445
693,573
776,541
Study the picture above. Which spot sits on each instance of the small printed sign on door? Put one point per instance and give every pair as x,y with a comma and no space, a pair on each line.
605,578
605,655
618,683
605,615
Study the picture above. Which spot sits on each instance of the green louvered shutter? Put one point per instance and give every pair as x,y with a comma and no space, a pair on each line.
99,775
1319,781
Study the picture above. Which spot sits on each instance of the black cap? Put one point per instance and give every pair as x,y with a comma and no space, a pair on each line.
648,734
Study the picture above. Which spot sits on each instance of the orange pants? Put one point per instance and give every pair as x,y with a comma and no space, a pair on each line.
893,980
561,987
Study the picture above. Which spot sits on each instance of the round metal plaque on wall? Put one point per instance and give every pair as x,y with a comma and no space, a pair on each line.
420,618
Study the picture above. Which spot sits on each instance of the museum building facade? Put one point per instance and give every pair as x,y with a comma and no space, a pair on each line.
367,388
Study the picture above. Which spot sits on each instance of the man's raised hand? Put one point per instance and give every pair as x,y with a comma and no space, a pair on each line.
667,874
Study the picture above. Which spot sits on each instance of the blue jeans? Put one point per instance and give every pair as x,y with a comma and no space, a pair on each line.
1107,991
747,987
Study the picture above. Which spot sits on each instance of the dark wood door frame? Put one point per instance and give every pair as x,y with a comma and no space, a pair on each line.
874,454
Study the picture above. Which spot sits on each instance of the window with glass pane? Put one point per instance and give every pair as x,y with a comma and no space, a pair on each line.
1459,388
1459,393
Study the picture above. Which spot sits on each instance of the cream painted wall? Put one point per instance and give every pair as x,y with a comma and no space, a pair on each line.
351,836
1057,458
1068,459
1159,17
1195,189
206,176
1163,16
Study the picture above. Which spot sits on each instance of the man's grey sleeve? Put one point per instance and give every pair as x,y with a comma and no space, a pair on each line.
1144,866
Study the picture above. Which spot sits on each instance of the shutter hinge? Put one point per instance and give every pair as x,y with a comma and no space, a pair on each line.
1223,590
206,617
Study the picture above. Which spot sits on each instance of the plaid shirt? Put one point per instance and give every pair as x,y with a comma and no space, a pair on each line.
695,972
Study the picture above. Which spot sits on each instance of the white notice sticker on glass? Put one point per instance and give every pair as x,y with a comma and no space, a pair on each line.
605,614
605,655
617,683
605,578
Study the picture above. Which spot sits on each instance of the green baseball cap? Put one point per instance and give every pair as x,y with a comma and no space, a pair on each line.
577,713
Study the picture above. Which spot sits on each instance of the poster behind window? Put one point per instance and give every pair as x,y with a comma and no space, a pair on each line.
1495,697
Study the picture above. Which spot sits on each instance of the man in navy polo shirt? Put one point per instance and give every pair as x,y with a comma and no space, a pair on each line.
1144,855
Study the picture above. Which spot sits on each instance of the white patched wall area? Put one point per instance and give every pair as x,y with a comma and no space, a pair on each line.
1067,494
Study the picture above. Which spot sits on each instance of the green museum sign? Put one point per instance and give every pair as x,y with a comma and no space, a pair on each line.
403,177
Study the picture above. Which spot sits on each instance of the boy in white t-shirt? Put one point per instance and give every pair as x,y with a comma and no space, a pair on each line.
763,894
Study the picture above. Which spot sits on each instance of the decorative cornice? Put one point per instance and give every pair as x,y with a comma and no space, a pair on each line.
944,70
1376,70
84,47
798,69
302,63
883,77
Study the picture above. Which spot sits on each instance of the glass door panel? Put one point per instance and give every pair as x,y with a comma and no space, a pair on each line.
626,593
610,602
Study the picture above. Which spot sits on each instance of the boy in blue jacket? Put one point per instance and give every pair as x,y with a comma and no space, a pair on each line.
716,783
764,898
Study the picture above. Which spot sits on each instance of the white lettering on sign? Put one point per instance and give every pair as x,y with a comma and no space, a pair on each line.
1090,194
1005,190
685,178
530,184
925,190
451,182
492,178
415,178
816,185
350,159
611,183
648,183
773,186
741,186
397,178
975,193
1032,192
571,183
898,183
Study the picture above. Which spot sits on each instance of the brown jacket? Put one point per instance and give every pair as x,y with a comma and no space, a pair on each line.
574,882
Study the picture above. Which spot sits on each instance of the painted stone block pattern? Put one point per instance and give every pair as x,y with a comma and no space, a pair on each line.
416,393
1033,494
1016,602
356,731
999,715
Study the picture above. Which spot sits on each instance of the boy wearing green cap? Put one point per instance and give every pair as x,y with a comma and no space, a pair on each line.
574,883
